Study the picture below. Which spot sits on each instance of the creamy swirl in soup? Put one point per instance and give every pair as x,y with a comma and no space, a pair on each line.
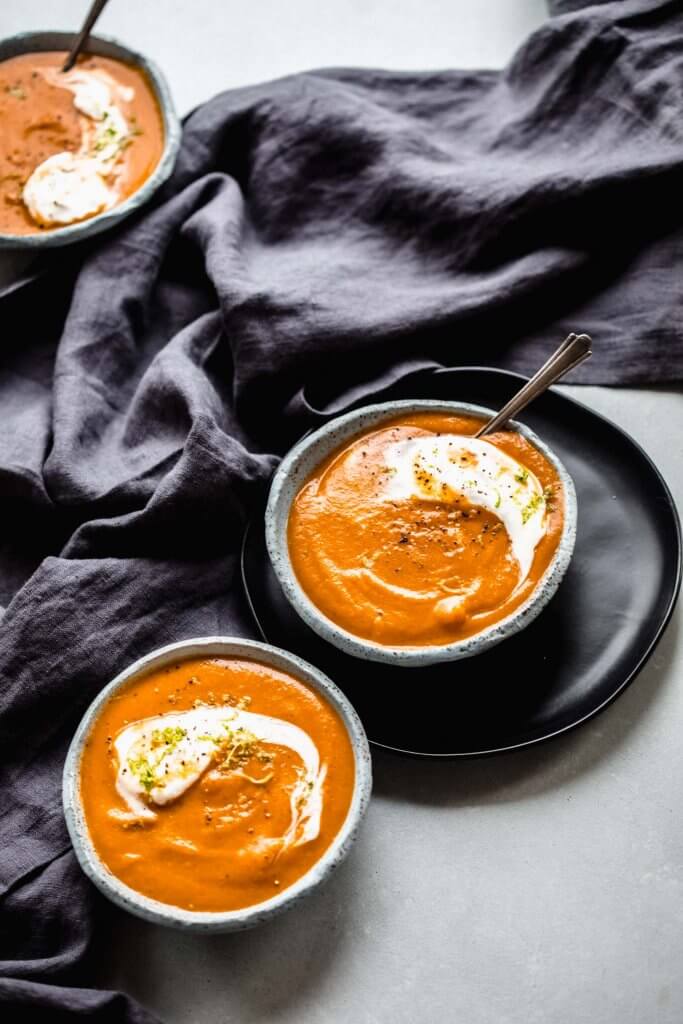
416,533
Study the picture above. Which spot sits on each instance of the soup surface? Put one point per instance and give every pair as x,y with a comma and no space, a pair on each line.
72,144
415,533
215,784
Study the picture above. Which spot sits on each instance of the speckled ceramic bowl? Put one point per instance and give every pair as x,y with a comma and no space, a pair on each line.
34,42
234,920
305,456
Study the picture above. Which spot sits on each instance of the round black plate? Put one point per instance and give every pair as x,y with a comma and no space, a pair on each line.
583,649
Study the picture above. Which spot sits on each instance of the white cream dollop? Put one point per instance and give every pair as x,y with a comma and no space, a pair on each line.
151,769
68,187
440,467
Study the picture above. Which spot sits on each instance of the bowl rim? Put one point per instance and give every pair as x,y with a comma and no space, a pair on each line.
172,137
231,920
331,436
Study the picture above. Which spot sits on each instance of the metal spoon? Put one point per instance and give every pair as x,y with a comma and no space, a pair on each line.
573,350
93,14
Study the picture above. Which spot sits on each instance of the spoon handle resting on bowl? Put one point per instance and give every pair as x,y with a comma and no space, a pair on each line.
93,14
573,350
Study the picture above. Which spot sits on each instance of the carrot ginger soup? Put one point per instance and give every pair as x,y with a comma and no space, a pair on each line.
72,144
215,784
416,533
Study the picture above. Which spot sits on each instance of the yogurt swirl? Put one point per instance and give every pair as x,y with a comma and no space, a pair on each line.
443,467
68,187
159,758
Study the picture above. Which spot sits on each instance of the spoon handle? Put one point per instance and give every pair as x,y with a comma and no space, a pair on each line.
573,350
93,14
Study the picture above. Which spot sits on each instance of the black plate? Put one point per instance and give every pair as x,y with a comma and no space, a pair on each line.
577,656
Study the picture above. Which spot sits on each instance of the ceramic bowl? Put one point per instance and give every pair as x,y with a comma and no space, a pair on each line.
32,42
233,920
303,459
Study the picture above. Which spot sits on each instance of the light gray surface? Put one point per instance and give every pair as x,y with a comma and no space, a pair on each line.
205,46
544,887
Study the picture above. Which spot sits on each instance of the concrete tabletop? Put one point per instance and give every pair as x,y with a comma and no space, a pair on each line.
543,887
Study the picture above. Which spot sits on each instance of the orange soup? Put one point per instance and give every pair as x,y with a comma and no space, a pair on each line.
215,784
415,533
72,144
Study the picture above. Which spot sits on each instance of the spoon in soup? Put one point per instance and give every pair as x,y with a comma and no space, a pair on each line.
574,350
91,17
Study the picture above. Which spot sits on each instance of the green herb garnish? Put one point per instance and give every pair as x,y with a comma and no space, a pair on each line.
240,744
532,507
169,737
143,771
142,768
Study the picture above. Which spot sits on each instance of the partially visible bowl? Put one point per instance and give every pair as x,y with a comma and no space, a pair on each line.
307,455
232,920
33,42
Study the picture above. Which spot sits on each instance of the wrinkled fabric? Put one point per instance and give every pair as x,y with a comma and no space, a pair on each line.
321,236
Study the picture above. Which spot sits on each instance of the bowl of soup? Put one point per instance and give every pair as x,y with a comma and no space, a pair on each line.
399,537
215,783
79,150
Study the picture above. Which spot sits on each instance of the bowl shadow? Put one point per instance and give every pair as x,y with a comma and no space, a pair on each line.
533,770
300,946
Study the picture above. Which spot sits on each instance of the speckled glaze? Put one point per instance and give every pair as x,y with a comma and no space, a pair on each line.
302,460
35,42
233,920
